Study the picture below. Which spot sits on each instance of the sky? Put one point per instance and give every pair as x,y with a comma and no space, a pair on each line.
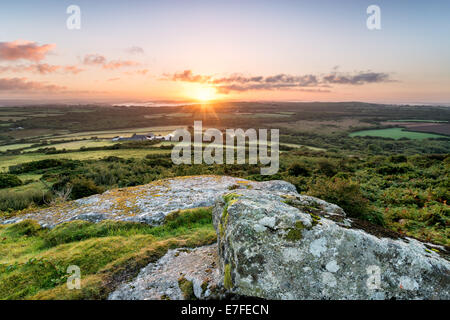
283,50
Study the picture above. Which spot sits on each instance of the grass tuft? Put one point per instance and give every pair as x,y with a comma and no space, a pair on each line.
34,261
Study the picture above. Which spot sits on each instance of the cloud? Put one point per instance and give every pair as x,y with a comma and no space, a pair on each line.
41,68
116,64
94,59
188,76
141,72
265,87
305,83
25,50
22,84
97,59
72,69
135,50
358,79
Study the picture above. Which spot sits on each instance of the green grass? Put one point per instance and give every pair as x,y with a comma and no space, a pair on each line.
15,146
33,260
395,133
75,145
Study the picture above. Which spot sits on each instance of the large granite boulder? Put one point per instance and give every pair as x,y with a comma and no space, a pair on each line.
149,203
281,245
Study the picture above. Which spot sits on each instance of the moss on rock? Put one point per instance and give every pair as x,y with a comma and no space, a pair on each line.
227,281
295,233
187,288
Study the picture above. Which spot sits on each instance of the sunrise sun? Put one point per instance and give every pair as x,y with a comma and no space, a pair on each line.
205,94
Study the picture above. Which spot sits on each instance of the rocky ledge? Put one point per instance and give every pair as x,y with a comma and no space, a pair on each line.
149,203
272,243
276,244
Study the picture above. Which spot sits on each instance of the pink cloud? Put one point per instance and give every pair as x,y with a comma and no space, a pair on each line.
26,50
72,69
97,59
41,68
22,84
141,72
94,59
116,64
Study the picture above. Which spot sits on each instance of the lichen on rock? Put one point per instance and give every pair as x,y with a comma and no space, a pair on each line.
149,203
281,245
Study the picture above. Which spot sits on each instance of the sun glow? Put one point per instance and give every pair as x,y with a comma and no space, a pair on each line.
205,94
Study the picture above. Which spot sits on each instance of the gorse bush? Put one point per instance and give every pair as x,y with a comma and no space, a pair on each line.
82,187
42,164
9,181
298,169
327,168
346,194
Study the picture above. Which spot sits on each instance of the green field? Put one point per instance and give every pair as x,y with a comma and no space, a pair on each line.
15,146
75,145
119,132
395,133
10,160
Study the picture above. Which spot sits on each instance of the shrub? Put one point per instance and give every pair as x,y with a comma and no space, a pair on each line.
327,168
298,169
393,169
43,164
398,158
159,162
82,187
347,195
9,180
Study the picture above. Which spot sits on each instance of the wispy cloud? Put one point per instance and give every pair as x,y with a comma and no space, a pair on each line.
309,82
135,50
23,84
97,59
94,59
357,79
26,50
41,68
141,72
116,64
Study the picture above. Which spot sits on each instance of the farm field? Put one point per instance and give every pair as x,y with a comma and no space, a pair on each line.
431,126
15,146
11,160
120,132
75,145
394,133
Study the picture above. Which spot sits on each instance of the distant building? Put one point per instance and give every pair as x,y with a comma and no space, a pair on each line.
169,137
136,137
17,128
